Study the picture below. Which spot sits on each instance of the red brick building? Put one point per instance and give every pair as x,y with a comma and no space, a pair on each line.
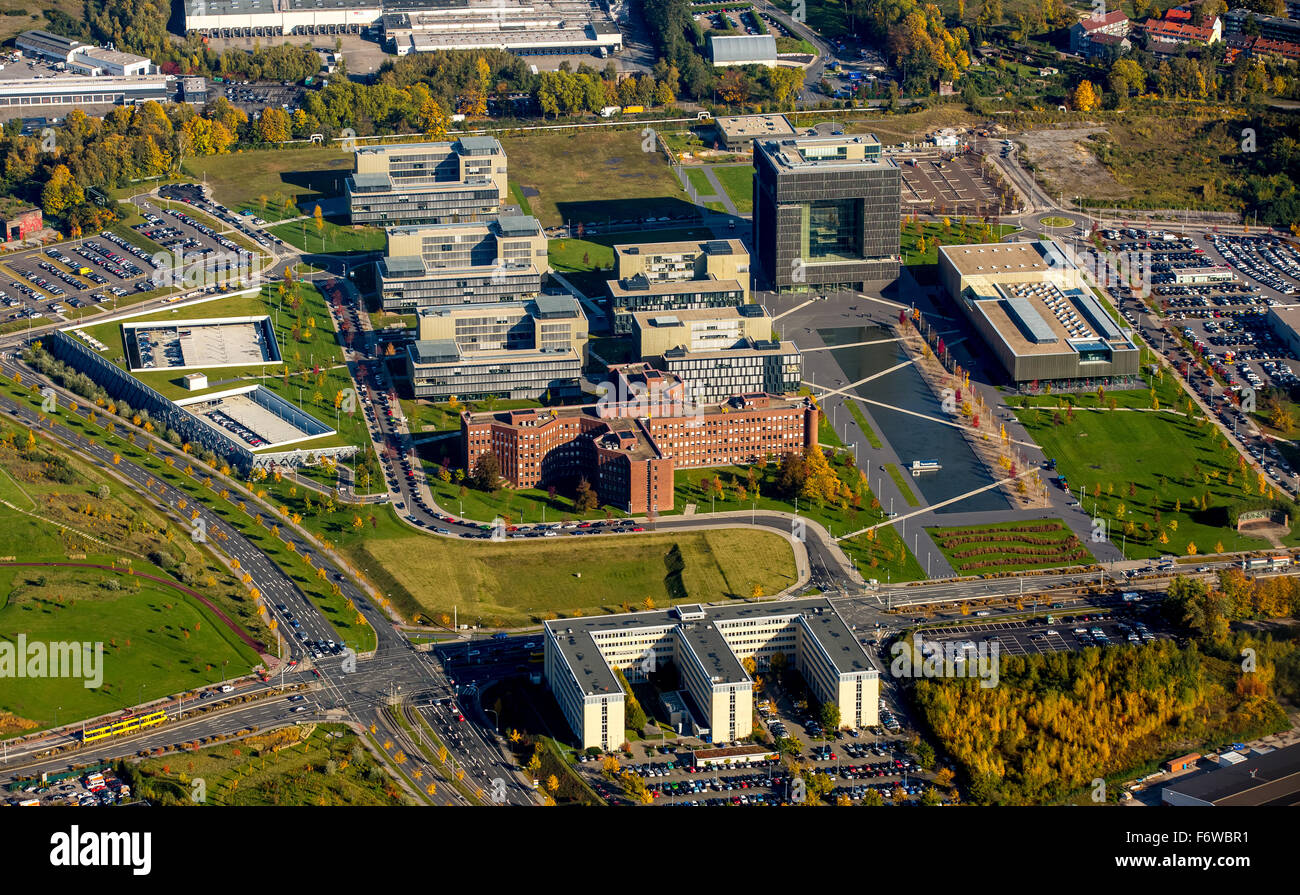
629,453
21,220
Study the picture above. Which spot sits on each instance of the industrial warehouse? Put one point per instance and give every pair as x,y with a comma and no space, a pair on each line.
418,26
1032,308
708,645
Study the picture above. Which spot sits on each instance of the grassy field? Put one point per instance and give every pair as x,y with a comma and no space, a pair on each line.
902,485
700,181
332,237
158,639
423,416
901,127
17,17
1010,546
352,629
514,505
935,234
300,175
323,764
1172,162
858,417
593,176
738,181
155,640
1169,476
522,583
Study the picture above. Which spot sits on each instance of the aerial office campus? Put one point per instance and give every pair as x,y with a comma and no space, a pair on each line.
529,404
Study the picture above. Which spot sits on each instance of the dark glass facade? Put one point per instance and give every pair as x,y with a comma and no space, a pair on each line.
825,226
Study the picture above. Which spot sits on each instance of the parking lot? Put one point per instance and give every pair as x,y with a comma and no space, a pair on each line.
946,185
42,283
257,95
1222,324
854,766
96,270
1022,638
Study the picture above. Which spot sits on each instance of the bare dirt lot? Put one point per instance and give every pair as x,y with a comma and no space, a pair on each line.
1065,165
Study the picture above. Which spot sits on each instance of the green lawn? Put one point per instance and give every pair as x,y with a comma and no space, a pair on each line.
423,416
352,629
875,554
1150,463
523,582
902,484
594,175
860,418
331,237
588,262
1010,546
298,175
515,505
700,181
738,181
956,233
156,641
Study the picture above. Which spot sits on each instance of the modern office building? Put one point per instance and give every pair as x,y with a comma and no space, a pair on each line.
628,444
450,264
439,370
638,294
522,349
700,329
826,212
708,645
1036,313
676,262
755,365
427,183
547,322
1270,27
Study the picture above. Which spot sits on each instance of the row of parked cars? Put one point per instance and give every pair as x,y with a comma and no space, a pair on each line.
1262,258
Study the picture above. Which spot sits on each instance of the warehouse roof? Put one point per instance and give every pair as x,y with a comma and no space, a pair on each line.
743,48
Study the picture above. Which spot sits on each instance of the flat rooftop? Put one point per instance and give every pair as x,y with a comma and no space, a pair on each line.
742,126
638,286
190,344
650,319
803,154
1287,315
751,348
684,247
1272,779
700,633
1004,257
1041,318
445,351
